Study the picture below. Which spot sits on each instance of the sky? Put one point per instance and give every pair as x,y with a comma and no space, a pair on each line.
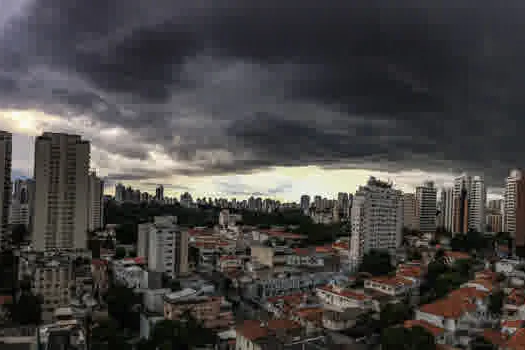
273,98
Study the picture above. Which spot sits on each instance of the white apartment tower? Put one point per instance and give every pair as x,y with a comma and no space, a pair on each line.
166,246
377,219
61,196
447,208
6,145
96,202
410,220
510,197
426,197
477,203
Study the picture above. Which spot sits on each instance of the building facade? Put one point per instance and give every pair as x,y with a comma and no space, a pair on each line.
426,197
514,207
61,196
22,205
377,220
477,203
462,185
96,204
447,208
6,145
410,219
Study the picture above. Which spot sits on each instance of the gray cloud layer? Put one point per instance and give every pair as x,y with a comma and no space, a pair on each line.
246,85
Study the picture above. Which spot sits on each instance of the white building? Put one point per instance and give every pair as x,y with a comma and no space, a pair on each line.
96,204
61,196
167,246
510,201
227,219
5,189
447,208
477,203
410,220
426,197
377,219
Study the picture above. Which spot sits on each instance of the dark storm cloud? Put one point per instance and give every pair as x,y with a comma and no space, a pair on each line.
422,84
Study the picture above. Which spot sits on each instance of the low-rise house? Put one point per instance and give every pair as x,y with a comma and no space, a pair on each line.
338,320
437,332
340,298
395,286
450,257
305,257
228,263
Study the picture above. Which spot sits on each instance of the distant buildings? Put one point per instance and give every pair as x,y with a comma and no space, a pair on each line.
95,205
514,207
305,204
22,205
447,208
61,196
159,193
5,188
478,200
377,219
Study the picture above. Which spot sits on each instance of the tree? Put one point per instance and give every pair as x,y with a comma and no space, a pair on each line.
400,338
120,253
121,300
481,343
18,235
105,335
496,302
392,314
27,310
420,338
132,254
185,333
377,263
175,285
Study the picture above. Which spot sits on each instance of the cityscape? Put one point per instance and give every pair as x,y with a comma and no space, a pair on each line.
443,268
247,175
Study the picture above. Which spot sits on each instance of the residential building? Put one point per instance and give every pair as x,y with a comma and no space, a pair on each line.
95,205
426,197
120,192
377,220
343,204
339,298
462,187
167,246
477,203
159,193
495,205
6,145
447,208
22,205
305,204
61,196
514,208
410,219
494,222
227,219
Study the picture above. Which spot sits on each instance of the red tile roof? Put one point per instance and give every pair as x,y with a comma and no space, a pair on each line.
345,293
517,341
5,299
456,255
253,330
392,280
495,337
451,308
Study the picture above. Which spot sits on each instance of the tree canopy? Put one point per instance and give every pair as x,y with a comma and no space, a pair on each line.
400,338
377,263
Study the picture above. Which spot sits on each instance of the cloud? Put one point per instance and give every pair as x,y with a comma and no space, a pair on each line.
189,88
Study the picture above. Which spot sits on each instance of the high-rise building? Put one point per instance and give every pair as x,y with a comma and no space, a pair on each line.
477,203
410,220
494,222
95,205
167,246
22,205
495,205
462,189
514,207
305,204
426,205
159,193
377,219
447,208
343,204
61,196
120,192
6,145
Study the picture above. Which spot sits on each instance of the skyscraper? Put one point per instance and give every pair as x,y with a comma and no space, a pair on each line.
514,207
343,204
477,203
305,204
377,219
61,196
447,208
410,220
95,205
5,189
462,187
426,197
120,192
159,193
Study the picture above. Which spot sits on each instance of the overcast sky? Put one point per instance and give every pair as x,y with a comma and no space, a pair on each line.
276,97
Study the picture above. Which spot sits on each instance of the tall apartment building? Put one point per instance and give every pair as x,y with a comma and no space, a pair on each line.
120,192
426,197
96,204
6,145
22,205
410,219
159,193
495,205
477,203
462,186
305,204
514,207
61,196
343,204
447,208
377,219
166,246
494,222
